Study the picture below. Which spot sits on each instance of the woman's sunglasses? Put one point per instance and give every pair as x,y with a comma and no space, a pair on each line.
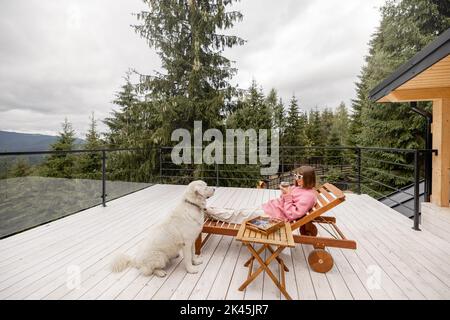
298,176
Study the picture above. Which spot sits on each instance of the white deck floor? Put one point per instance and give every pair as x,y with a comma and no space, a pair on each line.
392,260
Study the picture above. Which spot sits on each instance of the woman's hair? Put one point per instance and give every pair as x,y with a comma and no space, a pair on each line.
309,176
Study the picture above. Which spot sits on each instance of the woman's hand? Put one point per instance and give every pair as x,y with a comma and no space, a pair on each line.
285,190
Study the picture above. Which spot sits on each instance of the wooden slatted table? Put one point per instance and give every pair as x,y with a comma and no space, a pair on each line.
280,239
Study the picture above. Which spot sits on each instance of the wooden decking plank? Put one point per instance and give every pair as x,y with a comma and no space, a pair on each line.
412,264
305,286
270,290
407,257
51,227
406,270
354,284
129,232
254,290
239,271
167,290
30,275
203,287
58,237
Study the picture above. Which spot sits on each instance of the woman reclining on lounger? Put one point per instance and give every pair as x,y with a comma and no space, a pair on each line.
294,202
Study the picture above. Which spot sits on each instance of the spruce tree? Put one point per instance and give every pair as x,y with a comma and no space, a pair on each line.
194,82
333,155
61,165
279,117
314,133
314,129
341,123
406,27
136,125
123,123
276,108
90,164
189,36
21,168
293,138
254,112
294,134
326,123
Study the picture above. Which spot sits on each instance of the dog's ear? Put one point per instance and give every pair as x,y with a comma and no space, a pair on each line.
197,190
201,191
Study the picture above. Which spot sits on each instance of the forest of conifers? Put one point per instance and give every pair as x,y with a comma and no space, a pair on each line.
195,84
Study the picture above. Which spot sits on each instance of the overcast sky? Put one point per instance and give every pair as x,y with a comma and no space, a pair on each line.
67,58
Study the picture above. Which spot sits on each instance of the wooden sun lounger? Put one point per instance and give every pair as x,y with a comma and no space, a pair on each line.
319,259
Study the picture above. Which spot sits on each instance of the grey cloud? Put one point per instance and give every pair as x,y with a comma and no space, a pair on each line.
67,58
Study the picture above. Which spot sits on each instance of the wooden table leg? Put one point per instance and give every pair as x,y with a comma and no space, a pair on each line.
252,257
272,251
264,265
280,261
252,276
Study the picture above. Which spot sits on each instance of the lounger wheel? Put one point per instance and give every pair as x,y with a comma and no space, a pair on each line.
308,229
320,260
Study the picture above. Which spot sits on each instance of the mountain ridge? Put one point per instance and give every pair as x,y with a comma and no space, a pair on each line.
11,141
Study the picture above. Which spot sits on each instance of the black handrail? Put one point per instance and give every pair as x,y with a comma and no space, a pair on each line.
356,153
26,153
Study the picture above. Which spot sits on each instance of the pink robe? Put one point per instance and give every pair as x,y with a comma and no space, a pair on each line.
291,206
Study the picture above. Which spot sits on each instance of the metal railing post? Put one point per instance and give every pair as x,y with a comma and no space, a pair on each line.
104,178
358,151
416,190
160,165
428,175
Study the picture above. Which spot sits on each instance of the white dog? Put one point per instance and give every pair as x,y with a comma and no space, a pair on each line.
177,231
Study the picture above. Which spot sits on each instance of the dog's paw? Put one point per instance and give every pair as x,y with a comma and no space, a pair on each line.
196,261
192,270
160,273
146,271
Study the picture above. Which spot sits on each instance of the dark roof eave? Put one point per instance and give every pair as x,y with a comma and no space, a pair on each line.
435,51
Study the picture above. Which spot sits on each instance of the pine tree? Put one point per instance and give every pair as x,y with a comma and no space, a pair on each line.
271,102
256,104
279,117
61,165
294,134
21,168
355,117
314,128
316,139
90,164
290,136
137,124
334,160
303,123
254,112
194,84
293,138
406,27
341,123
276,108
123,122
333,155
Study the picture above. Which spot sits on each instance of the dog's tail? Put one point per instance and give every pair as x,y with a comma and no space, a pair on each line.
121,262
